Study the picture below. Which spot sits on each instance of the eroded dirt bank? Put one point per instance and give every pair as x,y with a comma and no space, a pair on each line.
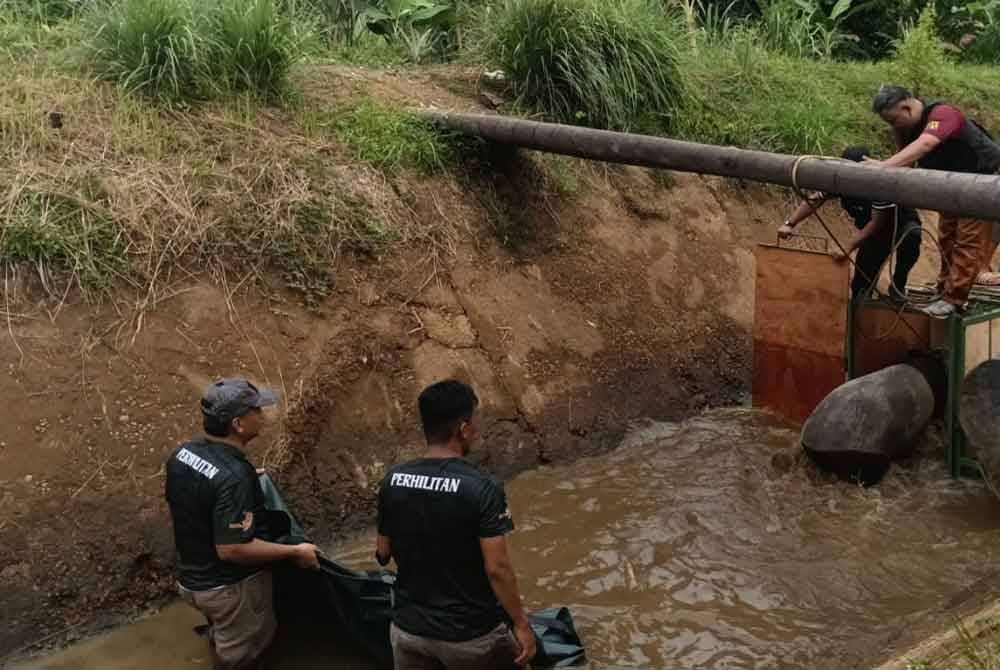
632,297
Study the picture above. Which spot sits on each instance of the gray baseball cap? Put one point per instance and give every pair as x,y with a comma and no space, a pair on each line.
228,399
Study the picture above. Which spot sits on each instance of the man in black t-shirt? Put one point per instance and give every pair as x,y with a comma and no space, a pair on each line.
445,524
880,227
215,502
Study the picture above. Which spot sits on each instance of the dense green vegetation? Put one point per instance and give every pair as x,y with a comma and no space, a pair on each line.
606,64
789,75
167,86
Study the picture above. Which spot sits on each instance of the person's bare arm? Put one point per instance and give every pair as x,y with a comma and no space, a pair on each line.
873,226
912,152
877,220
500,572
804,210
259,552
383,550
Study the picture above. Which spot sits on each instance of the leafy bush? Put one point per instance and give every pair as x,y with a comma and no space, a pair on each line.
985,25
808,28
602,63
147,46
919,54
422,27
251,46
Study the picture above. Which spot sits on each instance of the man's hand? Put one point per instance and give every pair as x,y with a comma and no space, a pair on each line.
868,161
305,556
785,231
526,638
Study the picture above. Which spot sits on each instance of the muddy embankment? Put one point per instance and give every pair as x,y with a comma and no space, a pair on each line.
636,303
625,294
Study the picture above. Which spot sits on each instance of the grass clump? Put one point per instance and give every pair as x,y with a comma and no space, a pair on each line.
387,138
148,47
252,46
173,51
602,63
58,235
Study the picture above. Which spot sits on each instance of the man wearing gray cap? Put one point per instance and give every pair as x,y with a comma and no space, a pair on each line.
215,502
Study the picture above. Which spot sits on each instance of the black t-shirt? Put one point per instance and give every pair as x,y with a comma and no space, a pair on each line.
435,511
214,498
861,212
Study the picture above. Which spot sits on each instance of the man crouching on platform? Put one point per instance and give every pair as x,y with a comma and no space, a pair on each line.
215,501
444,522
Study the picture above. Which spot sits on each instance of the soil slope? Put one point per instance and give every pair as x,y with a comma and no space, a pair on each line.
612,294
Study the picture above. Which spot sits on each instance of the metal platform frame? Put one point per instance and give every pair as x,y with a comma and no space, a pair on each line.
982,309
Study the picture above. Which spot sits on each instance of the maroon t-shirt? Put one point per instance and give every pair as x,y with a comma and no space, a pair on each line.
945,122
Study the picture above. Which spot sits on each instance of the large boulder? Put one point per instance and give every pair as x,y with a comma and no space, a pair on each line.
866,423
979,414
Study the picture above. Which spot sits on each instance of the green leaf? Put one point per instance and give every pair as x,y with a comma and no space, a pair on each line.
839,8
857,9
431,15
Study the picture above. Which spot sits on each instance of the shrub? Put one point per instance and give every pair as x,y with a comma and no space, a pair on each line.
251,46
986,48
146,46
602,63
919,54
985,25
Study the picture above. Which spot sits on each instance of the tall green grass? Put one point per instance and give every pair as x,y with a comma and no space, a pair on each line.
251,46
43,11
602,63
147,46
750,97
175,50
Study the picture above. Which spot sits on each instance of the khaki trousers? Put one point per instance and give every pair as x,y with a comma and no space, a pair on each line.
241,619
494,651
964,245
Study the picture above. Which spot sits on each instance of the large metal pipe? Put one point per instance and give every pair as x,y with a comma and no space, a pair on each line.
960,194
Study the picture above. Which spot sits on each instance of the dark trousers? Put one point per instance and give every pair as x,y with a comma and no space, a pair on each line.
876,249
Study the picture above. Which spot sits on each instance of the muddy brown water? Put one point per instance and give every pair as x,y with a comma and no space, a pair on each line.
685,548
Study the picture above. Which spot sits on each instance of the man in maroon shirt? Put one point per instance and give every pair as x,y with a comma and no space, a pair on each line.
936,136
